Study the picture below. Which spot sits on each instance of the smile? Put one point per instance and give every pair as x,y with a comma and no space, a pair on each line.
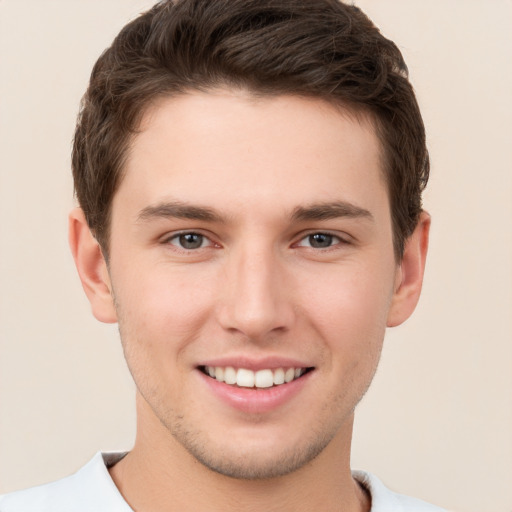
245,378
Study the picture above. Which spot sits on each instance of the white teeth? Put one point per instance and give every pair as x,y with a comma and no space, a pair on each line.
278,376
289,375
230,375
249,379
264,379
245,378
219,373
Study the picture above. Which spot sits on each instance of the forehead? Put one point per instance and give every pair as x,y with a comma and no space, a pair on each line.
239,148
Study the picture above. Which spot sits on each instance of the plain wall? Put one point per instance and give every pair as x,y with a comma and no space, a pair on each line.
437,422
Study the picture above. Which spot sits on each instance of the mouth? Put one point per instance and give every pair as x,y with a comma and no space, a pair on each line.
260,379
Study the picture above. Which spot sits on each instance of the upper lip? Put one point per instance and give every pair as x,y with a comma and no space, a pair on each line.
255,364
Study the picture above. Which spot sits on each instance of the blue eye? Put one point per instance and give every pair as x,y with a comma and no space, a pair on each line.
319,241
189,241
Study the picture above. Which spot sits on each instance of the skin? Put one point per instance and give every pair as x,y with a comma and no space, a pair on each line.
258,287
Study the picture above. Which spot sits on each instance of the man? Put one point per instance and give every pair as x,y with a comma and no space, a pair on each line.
249,175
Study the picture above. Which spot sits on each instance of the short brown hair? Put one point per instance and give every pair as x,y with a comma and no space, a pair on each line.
315,48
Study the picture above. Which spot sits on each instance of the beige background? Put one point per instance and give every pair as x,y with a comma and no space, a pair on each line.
437,423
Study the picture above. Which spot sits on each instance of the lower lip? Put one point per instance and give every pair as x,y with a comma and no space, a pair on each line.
253,400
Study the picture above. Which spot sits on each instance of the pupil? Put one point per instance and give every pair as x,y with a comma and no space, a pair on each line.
320,240
191,241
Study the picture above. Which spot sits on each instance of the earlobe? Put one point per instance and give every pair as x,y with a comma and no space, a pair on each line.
92,267
410,273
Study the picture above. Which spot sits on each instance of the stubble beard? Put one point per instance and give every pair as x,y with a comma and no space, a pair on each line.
250,462
254,462
246,463
229,460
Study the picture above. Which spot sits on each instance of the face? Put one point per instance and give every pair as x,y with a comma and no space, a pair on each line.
252,266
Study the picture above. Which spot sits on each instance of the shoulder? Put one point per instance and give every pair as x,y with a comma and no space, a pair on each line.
90,488
385,500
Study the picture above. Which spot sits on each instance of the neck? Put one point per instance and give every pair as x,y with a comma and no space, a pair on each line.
159,475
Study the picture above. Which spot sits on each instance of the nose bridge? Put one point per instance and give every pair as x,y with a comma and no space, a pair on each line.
255,301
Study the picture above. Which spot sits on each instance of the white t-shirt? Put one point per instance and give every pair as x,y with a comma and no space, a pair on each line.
91,489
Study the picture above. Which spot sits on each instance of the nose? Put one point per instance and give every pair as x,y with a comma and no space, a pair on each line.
256,295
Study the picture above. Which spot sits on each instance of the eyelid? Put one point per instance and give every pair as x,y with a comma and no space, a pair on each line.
166,239
343,238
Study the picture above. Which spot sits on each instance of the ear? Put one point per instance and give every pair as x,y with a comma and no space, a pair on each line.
92,267
409,277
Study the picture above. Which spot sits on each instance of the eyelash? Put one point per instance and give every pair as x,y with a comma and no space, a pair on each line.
335,240
179,236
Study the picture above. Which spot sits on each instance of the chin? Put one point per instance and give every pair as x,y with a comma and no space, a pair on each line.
252,462
258,466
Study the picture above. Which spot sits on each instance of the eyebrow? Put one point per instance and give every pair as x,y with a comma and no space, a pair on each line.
317,211
178,210
333,210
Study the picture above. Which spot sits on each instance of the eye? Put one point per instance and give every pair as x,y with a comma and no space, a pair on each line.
189,241
320,241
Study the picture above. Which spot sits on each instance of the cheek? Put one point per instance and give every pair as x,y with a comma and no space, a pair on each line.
161,312
159,321
351,307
